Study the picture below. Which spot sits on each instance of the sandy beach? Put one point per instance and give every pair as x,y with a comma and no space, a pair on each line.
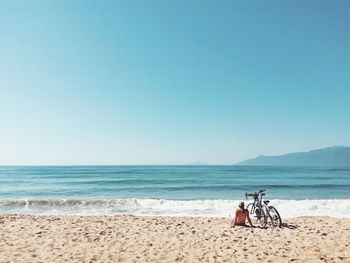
168,239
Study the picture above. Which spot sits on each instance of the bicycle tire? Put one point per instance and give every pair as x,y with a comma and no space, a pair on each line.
275,217
249,208
263,219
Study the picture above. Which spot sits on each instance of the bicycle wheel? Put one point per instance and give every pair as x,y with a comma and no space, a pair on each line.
250,208
263,219
261,216
275,217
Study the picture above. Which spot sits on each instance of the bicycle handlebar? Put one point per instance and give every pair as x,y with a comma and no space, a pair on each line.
254,194
246,195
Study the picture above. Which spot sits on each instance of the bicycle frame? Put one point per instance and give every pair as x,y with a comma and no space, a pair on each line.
262,211
258,207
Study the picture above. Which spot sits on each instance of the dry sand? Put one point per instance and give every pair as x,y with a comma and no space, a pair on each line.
169,239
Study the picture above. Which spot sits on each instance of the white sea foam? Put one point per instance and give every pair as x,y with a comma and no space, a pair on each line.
203,208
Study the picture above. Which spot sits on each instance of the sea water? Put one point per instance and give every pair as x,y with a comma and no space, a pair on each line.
171,190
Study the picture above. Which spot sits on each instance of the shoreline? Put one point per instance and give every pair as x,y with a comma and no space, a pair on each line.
288,208
128,238
18,215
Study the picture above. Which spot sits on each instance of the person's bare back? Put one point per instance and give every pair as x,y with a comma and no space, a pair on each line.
241,216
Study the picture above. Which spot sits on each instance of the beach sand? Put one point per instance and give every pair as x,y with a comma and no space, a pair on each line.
128,238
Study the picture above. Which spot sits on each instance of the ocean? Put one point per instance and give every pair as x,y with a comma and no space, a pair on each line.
208,191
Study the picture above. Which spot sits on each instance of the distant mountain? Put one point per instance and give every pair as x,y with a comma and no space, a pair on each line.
335,156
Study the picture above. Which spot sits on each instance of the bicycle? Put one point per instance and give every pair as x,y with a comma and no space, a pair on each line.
262,211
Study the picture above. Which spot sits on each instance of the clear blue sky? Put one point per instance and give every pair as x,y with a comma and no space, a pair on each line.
171,82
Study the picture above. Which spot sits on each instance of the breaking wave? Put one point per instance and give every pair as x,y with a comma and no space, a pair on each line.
202,208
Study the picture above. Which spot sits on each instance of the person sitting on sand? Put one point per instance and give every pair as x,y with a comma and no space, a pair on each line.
241,216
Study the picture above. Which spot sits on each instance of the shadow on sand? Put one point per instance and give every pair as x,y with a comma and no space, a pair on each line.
290,226
284,225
